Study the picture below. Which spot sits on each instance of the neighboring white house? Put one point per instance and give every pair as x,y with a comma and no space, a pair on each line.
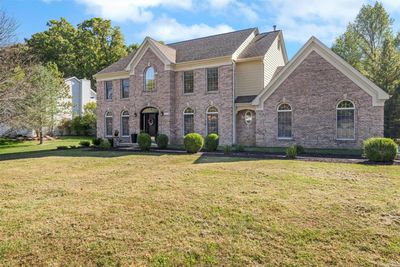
81,93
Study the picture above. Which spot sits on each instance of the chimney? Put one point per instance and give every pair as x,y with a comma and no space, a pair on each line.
274,26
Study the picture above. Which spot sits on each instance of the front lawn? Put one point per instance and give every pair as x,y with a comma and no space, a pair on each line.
87,208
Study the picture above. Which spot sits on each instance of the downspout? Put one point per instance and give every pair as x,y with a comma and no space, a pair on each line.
233,104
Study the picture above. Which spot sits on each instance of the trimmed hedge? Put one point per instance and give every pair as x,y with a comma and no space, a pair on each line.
144,141
162,141
211,142
193,142
84,143
380,149
96,141
105,144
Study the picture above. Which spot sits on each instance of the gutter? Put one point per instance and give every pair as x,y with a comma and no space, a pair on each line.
233,104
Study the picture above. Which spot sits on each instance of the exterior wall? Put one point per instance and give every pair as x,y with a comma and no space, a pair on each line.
200,100
249,78
169,99
75,92
245,133
272,60
313,91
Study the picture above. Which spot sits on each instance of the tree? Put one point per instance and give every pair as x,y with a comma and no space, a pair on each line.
79,51
47,99
370,46
8,26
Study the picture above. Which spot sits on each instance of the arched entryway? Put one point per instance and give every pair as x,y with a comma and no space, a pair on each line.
149,121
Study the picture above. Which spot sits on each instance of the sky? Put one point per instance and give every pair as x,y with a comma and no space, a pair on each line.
176,20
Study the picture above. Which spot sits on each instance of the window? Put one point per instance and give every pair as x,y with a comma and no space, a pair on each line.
108,89
125,123
188,121
108,123
212,79
188,83
345,120
284,121
212,120
149,80
125,88
248,117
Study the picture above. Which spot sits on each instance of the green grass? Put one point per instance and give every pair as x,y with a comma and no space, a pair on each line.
8,146
108,208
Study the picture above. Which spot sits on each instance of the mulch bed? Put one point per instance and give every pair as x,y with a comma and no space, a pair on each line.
265,155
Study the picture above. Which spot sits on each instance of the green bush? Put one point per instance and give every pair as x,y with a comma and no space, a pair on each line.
84,143
111,140
105,144
144,141
291,152
73,147
227,149
239,148
380,149
193,142
299,149
62,147
211,142
162,141
96,141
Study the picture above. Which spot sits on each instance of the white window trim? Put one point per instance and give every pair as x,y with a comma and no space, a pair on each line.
183,118
354,120
211,113
144,80
213,91
105,90
124,116
251,117
105,123
291,122
183,82
122,89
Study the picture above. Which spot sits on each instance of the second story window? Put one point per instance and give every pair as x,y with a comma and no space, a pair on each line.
108,89
188,82
212,79
149,79
125,88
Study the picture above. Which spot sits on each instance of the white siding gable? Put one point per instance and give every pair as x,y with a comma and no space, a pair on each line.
273,59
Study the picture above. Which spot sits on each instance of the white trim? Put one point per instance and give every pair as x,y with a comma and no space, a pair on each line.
251,117
291,121
145,79
354,120
105,123
147,44
378,95
212,113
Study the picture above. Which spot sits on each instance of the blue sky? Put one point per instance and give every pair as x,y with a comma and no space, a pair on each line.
174,20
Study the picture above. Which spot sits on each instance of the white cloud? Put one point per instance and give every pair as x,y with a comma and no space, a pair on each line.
130,10
234,7
169,30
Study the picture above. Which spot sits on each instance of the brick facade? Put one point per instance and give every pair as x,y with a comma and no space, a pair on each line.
170,100
313,90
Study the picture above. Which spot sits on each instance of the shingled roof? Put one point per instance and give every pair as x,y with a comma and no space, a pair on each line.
259,45
214,46
211,46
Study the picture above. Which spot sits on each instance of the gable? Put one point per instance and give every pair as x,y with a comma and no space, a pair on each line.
314,45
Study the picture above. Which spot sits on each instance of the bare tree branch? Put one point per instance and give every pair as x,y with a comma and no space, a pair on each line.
8,26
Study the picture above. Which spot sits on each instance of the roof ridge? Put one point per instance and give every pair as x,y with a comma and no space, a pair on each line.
211,36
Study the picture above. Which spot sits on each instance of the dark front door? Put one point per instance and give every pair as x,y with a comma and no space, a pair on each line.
150,123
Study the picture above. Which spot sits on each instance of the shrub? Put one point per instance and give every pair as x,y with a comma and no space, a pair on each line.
62,147
239,148
73,147
380,149
111,140
144,141
96,141
299,149
291,152
105,144
193,142
211,142
227,149
162,141
84,143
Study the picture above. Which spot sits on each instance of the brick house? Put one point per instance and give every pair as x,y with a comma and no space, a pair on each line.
241,86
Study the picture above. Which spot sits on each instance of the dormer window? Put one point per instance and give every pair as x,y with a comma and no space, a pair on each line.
149,79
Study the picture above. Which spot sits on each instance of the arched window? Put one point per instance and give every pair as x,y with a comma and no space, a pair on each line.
149,79
284,121
108,123
188,121
125,123
212,120
345,120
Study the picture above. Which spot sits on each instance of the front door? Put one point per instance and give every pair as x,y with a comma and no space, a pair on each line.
150,123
